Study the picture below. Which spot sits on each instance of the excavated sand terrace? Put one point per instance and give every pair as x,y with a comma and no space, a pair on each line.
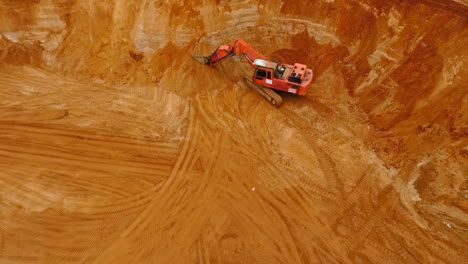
117,147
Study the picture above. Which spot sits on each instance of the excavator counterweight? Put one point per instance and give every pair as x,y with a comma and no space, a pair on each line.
268,76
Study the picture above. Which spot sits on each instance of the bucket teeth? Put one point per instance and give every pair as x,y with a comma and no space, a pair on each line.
201,59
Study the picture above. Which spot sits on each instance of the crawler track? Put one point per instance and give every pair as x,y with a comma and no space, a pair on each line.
267,93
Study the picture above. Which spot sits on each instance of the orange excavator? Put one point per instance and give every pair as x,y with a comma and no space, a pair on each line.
268,75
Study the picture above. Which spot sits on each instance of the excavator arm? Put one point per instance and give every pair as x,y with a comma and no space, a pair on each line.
240,48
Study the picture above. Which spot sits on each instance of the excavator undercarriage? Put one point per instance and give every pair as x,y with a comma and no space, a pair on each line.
267,93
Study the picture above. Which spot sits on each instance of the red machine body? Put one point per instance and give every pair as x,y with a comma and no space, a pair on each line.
293,79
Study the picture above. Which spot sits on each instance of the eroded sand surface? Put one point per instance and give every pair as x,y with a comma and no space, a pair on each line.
117,147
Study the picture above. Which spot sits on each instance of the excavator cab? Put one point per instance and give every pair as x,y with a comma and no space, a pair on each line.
264,72
264,76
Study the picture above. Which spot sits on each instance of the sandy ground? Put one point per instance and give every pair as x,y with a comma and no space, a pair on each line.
117,147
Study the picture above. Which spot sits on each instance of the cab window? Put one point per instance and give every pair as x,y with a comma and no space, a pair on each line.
269,75
260,74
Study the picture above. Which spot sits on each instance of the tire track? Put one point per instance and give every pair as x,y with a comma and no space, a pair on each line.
174,202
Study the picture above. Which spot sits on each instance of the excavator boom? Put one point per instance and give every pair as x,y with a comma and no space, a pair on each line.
226,51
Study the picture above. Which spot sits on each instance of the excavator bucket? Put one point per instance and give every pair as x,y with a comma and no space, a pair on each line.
201,59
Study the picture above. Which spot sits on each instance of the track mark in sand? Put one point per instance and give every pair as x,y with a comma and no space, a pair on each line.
360,230
310,184
184,155
250,223
418,238
63,178
173,208
392,245
355,218
313,139
89,155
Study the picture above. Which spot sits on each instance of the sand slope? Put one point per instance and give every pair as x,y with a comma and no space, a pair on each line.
117,147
